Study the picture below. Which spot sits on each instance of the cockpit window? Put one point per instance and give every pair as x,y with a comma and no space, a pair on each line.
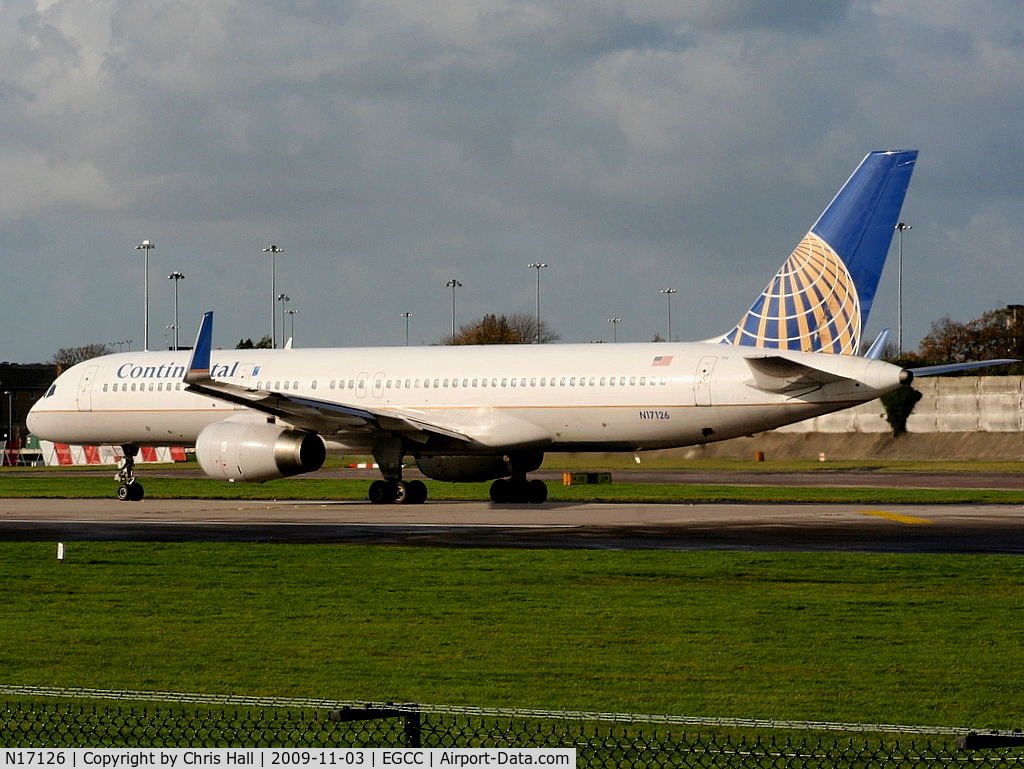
51,391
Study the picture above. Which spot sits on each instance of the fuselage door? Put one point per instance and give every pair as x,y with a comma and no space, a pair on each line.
702,380
85,388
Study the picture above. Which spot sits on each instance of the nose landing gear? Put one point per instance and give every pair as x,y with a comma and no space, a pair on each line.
128,490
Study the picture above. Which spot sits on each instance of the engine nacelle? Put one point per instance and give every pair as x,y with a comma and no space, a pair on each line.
252,451
471,469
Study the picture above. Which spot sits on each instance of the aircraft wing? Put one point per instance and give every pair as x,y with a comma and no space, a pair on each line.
776,374
319,416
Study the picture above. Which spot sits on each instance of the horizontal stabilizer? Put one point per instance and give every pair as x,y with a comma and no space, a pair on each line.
780,375
952,368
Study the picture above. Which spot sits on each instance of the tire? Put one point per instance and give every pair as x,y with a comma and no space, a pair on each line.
501,491
536,492
416,493
381,493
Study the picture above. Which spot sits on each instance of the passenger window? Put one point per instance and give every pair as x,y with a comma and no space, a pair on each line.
504,381
601,382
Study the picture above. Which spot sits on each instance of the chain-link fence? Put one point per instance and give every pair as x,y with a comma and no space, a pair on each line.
601,740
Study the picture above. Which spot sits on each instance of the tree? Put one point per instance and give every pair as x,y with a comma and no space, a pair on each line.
996,334
518,328
247,344
66,357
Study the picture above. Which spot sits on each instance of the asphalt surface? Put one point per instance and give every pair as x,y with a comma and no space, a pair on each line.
753,527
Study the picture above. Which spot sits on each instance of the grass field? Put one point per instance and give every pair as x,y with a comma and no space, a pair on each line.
919,639
93,485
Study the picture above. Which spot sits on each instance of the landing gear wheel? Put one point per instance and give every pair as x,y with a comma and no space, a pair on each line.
130,492
415,493
536,492
381,493
401,492
501,491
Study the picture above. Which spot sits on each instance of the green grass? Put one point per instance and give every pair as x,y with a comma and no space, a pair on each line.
921,639
80,485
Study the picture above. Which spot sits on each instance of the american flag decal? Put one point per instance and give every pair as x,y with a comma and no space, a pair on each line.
661,360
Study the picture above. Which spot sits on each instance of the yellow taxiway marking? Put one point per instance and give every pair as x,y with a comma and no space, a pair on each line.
895,516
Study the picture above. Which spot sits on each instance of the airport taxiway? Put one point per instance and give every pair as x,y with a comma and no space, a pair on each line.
680,526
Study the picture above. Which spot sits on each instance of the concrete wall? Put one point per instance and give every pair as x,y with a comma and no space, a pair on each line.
948,405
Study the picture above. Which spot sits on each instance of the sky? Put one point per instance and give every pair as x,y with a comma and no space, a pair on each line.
389,146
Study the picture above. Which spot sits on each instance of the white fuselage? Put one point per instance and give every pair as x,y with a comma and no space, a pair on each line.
622,397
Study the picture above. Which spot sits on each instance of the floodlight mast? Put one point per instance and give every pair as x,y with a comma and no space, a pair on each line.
273,251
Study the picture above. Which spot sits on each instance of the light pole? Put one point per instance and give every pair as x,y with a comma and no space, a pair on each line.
282,298
899,289
453,284
176,276
10,416
292,312
668,294
538,266
615,328
406,315
146,246
273,251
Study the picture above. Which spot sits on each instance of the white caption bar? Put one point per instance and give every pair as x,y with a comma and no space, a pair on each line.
287,758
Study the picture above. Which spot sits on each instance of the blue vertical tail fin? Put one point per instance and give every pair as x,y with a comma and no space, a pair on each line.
820,299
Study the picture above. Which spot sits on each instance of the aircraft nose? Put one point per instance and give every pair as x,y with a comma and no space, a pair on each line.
33,420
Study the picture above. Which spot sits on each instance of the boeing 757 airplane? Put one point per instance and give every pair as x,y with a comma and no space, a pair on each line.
466,413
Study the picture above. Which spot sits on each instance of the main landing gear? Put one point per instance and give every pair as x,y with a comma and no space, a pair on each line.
128,488
393,490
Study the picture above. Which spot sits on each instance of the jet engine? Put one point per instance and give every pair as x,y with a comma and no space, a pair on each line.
471,469
257,451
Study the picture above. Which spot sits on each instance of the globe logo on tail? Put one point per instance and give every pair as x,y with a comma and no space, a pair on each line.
811,305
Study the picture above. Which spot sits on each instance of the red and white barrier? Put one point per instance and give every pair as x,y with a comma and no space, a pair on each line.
61,454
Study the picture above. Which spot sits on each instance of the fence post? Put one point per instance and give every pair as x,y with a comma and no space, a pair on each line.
410,720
